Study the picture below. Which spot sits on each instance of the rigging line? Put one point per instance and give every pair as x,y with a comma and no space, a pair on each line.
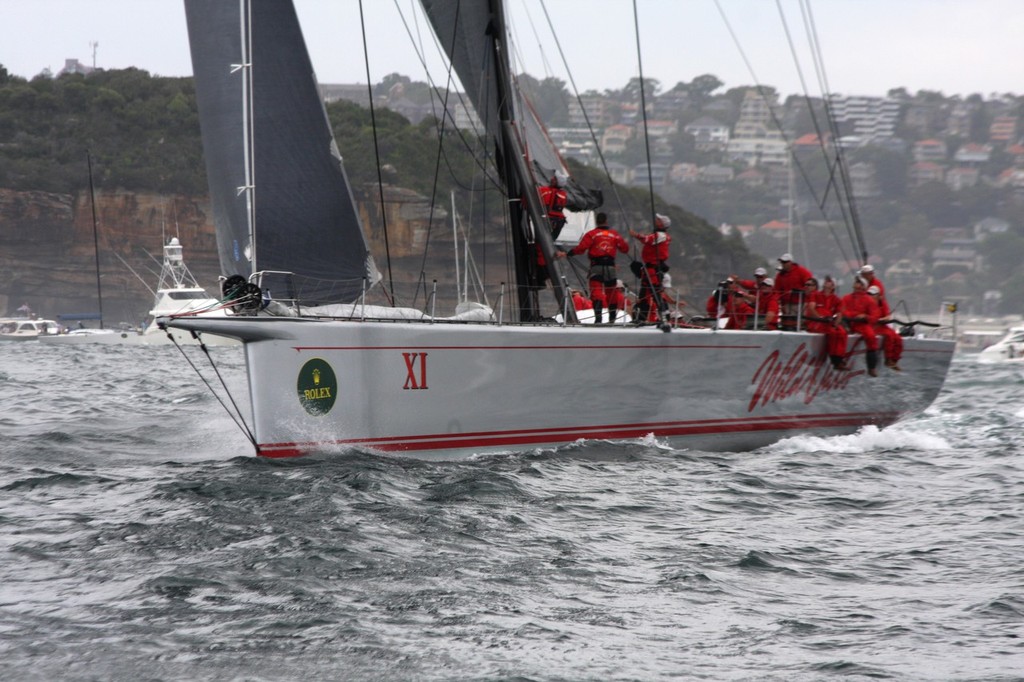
440,146
132,270
660,301
235,416
778,124
437,91
586,116
376,153
540,46
821,141
417,42
643,109
815,43
814,47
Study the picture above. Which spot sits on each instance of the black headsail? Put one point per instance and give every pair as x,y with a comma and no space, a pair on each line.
259,104
473,35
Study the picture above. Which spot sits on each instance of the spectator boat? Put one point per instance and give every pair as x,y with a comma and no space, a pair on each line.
1010,348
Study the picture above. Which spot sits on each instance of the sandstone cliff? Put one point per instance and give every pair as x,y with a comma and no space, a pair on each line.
47,257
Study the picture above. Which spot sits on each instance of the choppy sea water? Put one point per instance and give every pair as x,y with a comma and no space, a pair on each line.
139,539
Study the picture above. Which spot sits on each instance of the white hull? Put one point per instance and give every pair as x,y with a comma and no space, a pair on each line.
449,390
126,338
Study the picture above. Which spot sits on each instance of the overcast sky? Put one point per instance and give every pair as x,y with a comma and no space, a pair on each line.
868,46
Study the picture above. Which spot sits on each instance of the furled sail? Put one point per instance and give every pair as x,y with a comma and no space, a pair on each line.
463,29
266,109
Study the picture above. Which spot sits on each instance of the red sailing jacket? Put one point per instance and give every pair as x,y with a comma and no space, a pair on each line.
554,199
860,303
601,242
656,247
794,280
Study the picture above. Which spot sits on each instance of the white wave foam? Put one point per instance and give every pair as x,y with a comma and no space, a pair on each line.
868,439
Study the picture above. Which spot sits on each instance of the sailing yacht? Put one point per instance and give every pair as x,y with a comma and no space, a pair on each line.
331,373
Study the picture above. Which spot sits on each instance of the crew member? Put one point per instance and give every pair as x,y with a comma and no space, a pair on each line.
730,302
579,301
601,245
821,313
867,273
766,303
860,312
892,342
752,284
554,198
789,284
654,255
828,291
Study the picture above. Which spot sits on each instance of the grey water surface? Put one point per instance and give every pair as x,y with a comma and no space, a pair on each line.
141,540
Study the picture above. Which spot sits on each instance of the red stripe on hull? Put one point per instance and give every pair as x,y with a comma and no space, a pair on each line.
569,435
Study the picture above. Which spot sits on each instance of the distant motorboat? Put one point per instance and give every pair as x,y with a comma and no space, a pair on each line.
27,329
1010,348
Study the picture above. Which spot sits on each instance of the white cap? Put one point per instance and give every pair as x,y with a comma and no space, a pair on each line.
561,177
767,282
867,268
874,290
785,258
666,281
760,272
662,220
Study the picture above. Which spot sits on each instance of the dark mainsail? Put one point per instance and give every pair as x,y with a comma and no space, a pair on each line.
304,219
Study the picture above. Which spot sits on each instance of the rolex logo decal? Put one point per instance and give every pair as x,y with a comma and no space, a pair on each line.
317,387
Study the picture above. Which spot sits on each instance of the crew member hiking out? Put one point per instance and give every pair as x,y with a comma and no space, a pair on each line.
654,255
861,313
892,342
601,245
821,312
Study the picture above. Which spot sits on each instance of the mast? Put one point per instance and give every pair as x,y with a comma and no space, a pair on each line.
248,148
791,200
95,236
520,183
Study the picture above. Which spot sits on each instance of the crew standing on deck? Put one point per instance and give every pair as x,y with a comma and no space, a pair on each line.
654,255
789,285
601,245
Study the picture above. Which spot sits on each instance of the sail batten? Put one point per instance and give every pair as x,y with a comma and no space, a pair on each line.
303,214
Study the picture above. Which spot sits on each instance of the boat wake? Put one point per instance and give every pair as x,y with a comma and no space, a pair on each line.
868,439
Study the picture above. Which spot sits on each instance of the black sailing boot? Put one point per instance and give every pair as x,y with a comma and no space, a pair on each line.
839,363
598,310
612,310
872,359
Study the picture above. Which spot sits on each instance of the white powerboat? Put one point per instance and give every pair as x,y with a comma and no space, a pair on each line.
178,293
27,329
1010,348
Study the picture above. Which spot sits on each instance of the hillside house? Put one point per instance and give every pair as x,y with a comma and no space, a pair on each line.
930,150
